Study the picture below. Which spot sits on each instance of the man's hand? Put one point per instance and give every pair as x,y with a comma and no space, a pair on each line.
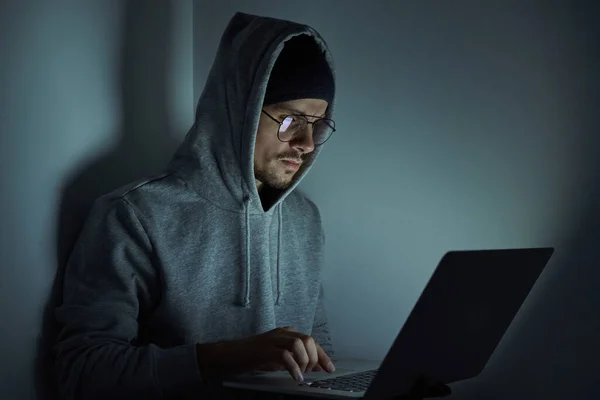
279,349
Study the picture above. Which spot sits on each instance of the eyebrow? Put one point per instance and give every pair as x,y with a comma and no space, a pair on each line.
298,112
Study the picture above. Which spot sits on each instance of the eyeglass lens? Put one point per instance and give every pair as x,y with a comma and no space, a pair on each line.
294,124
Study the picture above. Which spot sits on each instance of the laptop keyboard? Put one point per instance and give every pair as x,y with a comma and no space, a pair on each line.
358,382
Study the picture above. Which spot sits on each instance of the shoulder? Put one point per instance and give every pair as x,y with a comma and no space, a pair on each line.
156,193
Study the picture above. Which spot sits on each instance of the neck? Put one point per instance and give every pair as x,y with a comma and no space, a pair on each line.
261,194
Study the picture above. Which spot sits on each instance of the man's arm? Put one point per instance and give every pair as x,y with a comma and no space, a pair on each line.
320,331
109,285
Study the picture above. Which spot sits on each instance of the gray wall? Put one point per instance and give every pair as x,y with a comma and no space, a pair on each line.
461,125
92,95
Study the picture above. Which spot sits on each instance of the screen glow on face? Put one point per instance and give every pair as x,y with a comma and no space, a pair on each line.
286,123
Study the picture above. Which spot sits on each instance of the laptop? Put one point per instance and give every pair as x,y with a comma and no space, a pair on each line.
460,317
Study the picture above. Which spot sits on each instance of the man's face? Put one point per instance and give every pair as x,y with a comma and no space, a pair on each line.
276,162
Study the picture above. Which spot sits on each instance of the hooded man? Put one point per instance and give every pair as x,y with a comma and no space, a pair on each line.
213,267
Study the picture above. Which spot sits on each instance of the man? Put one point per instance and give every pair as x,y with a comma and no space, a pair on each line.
214,267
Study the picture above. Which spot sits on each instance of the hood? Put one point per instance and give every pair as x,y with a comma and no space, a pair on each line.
217,156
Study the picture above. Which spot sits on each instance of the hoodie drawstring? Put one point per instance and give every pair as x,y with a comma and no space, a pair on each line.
279,230
246,301
246,292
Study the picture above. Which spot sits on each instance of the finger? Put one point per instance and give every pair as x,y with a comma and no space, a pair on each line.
317,368
324,360
298,348
303,347
289,363
311,349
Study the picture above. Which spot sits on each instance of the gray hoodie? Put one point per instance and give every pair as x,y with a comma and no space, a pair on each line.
191,256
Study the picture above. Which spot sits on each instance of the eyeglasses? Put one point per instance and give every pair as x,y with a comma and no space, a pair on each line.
292,125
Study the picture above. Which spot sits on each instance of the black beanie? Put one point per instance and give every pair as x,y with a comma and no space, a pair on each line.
300,72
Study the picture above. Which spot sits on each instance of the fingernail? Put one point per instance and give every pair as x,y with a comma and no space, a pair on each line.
299,376
330,367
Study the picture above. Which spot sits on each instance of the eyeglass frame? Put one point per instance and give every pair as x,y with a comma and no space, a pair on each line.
309,122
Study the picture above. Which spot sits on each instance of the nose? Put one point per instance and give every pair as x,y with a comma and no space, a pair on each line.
304,140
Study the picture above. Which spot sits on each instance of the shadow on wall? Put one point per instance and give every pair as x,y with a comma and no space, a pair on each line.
145,145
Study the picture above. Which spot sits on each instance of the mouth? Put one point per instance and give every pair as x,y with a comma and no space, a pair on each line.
291,164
